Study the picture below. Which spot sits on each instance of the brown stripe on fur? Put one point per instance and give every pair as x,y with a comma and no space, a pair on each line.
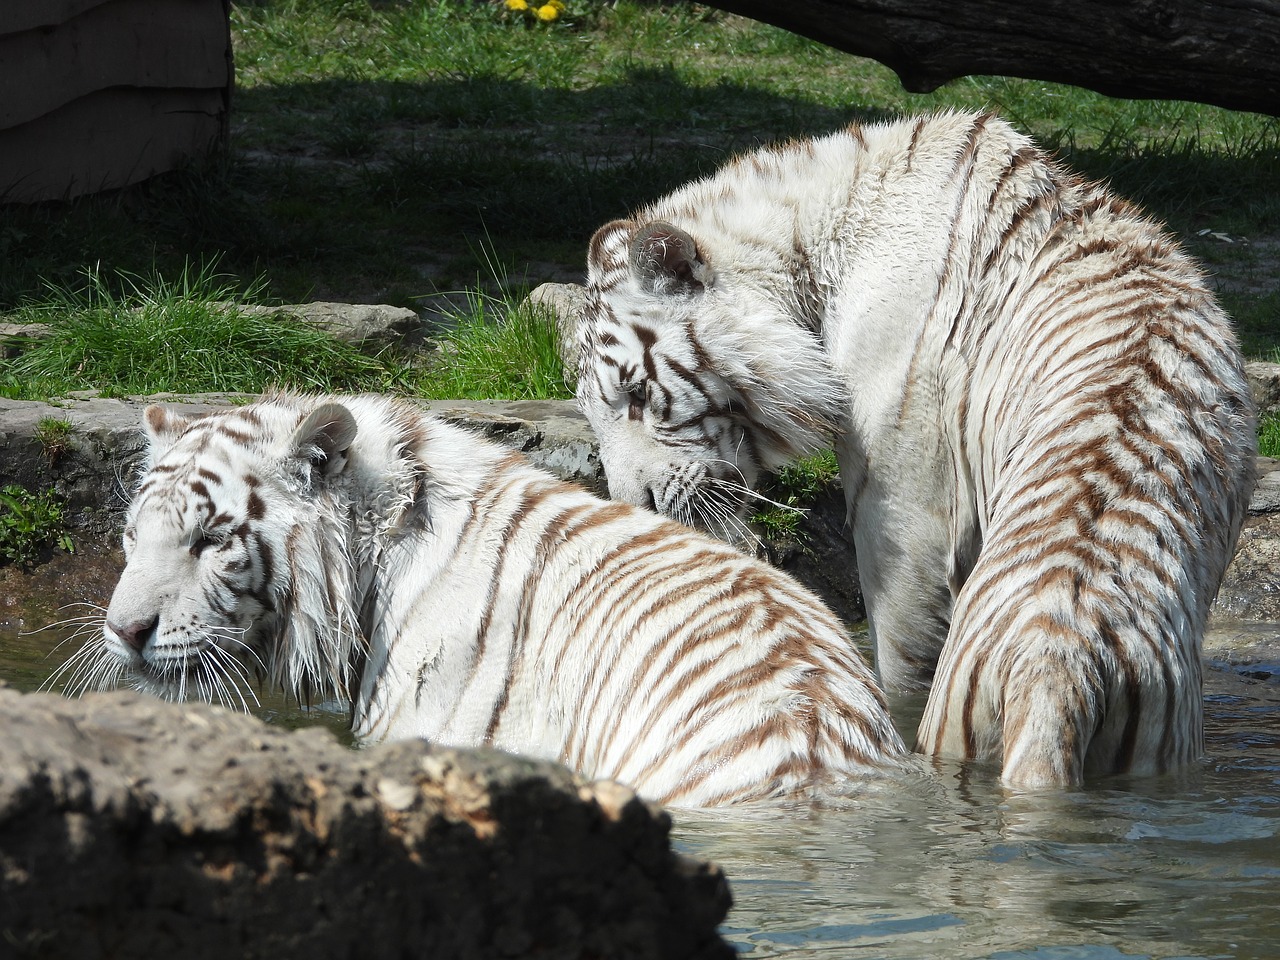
713,624
655,606
729,621
968,153
1132,692
494,492
556,536
613,569
916,129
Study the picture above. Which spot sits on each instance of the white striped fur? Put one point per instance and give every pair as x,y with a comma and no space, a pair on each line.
355,547
1042,423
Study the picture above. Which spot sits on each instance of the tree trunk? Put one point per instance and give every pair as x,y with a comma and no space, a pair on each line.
1223,52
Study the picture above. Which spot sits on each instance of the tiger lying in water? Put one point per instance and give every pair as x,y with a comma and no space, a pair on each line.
356,547
1040,414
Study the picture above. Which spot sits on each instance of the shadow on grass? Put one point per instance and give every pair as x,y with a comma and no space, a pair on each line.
357,190
389,191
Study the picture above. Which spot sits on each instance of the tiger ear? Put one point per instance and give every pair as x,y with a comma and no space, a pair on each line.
324,437
666,261
162,428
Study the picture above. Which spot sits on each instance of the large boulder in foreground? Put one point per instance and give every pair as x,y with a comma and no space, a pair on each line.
130,827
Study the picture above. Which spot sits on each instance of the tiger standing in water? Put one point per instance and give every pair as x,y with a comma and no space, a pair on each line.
1044,432
354,547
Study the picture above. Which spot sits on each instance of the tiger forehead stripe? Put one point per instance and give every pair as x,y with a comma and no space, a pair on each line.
236,435
256,506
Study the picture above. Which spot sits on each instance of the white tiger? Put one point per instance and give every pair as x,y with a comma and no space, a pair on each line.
1039,411
355,547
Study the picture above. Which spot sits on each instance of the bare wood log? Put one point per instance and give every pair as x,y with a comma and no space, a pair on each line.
1222,52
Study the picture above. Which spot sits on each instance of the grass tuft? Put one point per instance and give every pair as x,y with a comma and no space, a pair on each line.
187,335
1269,435
795,487
31,524
498,349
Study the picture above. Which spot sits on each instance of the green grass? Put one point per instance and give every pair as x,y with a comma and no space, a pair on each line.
793,489
31,524
498,349
378,146
193,336
1269,435
188,335
54,435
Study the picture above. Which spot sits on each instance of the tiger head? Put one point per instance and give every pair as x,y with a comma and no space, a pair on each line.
218,542
698,373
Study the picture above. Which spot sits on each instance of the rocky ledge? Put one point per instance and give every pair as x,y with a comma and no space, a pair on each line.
130,827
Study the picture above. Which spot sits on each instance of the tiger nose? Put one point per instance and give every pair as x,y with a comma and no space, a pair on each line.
135,635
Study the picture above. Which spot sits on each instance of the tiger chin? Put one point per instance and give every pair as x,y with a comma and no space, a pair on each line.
354,547
1044,432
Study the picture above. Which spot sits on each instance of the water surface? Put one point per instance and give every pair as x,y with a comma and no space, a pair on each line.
1175,866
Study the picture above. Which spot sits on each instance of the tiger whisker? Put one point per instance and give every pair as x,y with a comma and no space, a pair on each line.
101,675
197,672
233,671
95,615
78,636
235,636
91,668
748,494
719,517
222,686
83,663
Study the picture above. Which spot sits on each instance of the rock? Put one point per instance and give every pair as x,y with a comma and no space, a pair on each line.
1251,588
1264,384
130,827
1266,495
14,335
566,301
551,433
360,324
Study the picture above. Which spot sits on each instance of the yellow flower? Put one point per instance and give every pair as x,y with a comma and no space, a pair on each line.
517,5
547,12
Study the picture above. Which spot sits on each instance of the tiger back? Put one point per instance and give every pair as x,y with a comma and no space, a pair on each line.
356,548
1043,428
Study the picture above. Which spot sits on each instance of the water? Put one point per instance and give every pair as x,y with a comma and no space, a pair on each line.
951,866
1179,866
